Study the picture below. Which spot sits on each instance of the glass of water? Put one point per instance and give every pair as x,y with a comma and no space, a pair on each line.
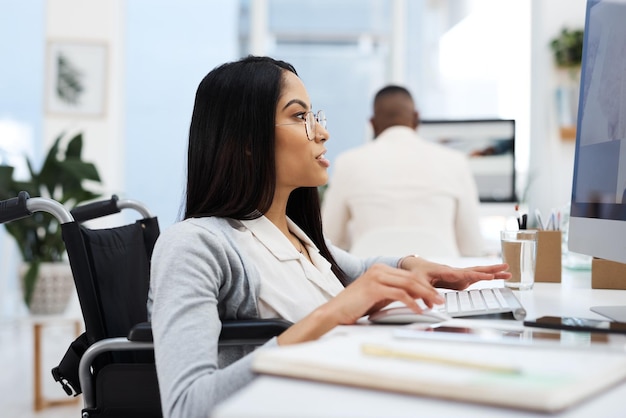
519,251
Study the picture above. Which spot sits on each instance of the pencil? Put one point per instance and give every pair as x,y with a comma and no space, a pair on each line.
381,351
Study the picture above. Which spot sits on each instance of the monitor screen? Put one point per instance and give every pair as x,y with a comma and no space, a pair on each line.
490,146
598,206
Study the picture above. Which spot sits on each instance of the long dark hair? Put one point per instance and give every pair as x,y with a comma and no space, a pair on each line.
231,167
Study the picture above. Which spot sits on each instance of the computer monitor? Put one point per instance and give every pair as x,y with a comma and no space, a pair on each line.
598,206
490,146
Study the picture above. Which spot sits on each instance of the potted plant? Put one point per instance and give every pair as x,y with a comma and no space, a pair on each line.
567,48
61,177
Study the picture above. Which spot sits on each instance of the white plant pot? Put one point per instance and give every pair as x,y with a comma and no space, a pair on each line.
53,289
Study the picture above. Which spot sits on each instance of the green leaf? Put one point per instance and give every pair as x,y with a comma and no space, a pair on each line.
75,147
568,47
79,169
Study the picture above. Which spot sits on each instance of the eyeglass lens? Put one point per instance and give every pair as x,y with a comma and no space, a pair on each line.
311,120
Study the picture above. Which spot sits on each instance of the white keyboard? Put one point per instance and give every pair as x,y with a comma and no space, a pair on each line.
495,302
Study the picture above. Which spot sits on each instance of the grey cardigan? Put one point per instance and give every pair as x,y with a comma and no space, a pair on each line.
200,276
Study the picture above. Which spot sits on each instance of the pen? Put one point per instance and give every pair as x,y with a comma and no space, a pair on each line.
539,219
551,222
381,351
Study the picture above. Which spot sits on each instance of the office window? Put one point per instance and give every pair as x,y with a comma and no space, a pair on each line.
461,59
477,65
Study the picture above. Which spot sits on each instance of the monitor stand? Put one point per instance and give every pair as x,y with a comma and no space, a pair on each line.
616,313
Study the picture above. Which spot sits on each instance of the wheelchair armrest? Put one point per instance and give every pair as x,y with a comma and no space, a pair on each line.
251,331
94,350
234,332
141,332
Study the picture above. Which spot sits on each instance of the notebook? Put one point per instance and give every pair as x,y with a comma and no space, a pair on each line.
539,379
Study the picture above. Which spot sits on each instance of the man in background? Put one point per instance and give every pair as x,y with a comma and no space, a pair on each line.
403,182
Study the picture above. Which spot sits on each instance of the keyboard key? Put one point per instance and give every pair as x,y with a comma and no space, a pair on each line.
477,299
464,301
500,298
490,299
452,305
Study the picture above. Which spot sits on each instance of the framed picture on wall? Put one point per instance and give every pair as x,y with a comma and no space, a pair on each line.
76,77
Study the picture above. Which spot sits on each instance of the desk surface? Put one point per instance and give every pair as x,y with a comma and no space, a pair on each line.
283,397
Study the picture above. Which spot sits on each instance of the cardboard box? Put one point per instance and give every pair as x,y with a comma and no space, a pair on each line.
607,274
548,268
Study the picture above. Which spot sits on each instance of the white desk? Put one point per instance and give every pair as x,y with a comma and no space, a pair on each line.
283,397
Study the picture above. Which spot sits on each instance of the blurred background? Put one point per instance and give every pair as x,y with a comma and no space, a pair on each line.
461,59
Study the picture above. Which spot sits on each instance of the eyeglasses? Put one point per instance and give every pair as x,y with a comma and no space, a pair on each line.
310,123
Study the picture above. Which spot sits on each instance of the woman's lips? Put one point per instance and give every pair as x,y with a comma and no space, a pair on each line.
323,161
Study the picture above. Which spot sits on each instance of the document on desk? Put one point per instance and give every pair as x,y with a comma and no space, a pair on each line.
539,379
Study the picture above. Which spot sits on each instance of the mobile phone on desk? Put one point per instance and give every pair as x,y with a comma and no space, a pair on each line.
570,323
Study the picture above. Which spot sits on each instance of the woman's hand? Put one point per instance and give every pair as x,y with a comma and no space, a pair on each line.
415,279
440,275
379,286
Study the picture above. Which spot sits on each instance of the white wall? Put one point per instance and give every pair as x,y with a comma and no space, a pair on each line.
157,53
551,158
93,22
21,107
168,51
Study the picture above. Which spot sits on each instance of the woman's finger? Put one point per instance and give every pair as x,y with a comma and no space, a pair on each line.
495,268
414,286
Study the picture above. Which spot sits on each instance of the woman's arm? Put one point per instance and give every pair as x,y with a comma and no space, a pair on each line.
355,266
187,278
381,284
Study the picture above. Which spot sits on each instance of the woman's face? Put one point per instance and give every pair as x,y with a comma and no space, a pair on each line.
299,162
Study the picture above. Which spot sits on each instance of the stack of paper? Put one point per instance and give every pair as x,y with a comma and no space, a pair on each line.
542,378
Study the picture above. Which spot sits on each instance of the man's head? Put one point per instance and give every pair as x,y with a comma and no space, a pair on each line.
393,106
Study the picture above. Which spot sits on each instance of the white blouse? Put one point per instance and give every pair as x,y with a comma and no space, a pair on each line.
291,287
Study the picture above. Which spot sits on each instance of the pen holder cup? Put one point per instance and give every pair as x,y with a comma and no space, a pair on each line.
607,274
548,267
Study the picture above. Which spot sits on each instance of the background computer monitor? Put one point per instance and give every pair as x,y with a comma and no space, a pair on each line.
598,206
490,146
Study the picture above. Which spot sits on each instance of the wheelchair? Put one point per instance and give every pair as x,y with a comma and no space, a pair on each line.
112,362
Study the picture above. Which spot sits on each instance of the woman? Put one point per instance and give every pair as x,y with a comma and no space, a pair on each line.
251,244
